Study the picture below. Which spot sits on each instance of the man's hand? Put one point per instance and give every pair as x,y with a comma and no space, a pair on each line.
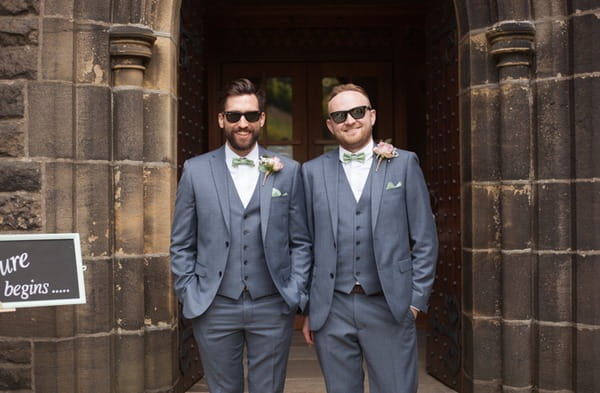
308,335
415,311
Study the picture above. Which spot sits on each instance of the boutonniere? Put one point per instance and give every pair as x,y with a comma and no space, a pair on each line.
384,150
269,165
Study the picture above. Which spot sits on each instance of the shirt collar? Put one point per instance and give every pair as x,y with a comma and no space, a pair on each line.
367,149
230,155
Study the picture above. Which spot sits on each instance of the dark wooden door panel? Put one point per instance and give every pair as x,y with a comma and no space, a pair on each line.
443,174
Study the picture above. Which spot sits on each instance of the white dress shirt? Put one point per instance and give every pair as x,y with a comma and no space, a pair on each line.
244,177
357,172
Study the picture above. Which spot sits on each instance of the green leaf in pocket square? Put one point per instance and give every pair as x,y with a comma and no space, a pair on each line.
276,193
391,186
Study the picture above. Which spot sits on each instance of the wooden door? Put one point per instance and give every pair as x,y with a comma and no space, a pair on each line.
442,171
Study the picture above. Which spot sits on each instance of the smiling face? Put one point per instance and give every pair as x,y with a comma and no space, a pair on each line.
241,135
352,134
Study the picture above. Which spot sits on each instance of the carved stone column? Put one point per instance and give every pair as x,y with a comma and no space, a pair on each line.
130,50
512,44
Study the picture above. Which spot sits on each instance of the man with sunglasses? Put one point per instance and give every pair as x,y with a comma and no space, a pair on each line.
375,250
240,251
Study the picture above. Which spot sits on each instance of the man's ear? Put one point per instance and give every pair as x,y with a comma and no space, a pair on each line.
221,120
329,126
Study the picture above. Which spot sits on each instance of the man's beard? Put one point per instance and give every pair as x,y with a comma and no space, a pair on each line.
230,136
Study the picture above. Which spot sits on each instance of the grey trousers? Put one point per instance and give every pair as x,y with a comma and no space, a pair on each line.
361,328
263,326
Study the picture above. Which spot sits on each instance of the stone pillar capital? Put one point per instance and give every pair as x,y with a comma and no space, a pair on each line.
512,43
130,50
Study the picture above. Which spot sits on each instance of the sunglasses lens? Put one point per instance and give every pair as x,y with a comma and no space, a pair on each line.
358,112
338,117
233,117
252,116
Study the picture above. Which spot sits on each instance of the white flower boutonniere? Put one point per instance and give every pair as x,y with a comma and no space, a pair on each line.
269,165
384,150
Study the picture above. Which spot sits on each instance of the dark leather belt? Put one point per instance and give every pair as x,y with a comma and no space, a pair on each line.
357,288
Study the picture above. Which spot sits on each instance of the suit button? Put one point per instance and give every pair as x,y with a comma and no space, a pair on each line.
245,216
358,213
245,277
334,245
358,258
246,232
358,273
358,227
358,243
331,275
245,247
220,274
245,262
226,244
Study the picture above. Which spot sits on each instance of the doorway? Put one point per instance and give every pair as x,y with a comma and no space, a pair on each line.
402,52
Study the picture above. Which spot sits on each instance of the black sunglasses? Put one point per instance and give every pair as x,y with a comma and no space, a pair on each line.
234,117
357,113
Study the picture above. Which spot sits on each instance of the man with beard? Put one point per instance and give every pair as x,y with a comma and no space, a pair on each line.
240,251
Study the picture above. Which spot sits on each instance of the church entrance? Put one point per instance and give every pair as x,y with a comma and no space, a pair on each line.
403,53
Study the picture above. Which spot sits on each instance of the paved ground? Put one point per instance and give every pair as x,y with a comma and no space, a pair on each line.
304,374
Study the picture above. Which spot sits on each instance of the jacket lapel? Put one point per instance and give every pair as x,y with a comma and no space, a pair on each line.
265,192
377,189
331,174
219,173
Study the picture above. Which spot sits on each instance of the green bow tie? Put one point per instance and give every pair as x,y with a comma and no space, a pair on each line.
360,157
242,161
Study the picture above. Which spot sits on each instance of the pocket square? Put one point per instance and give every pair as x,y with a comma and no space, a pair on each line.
391,186
276,193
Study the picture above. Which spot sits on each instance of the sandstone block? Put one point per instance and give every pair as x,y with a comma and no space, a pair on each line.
160,304
59,196
92,10
59,7
160,116
15,378
11,100
517,367
129,350
555,275
20,176
554,129
129,209
587,208
93,123
485,123
20,213
56,365
160,350
18,31
587,271
487,291
15,352
587,117
13,139
19,7
57,50
96,316
94,364
50,120
129,293
517,290
555,358
515,133
485,224
159,197
92,66
129,124
517,211
554,216
552,45
18,62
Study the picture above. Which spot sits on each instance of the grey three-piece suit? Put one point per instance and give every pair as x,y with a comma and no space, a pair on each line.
387,242
240,272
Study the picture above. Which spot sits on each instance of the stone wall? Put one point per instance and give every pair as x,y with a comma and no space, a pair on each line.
530,74
87,145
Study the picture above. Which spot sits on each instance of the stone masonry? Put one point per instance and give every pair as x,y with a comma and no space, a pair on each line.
86,145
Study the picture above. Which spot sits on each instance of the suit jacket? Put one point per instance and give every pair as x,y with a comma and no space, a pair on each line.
404,234
200,236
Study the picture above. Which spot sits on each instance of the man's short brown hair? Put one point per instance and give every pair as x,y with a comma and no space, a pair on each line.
347,87
240,87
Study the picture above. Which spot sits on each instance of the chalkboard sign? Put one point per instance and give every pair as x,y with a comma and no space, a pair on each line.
40,270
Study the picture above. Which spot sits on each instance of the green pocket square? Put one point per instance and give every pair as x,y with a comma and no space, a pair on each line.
276,193
391,186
